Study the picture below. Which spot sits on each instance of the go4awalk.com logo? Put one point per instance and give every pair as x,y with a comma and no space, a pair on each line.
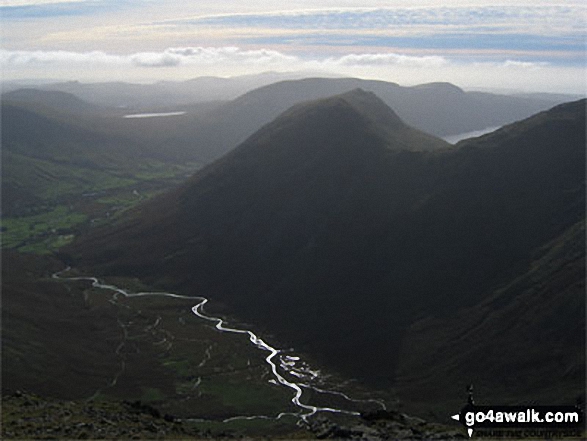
521,421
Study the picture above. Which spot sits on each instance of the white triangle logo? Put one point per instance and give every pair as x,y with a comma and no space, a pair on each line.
470,432
456,417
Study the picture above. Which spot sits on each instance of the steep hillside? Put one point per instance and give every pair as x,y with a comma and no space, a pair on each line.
65,162
48,154
338,227
530,331
51,138
37,134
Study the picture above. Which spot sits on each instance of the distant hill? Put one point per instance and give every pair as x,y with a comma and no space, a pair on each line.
42,134
209,130
46,155
343,231
53,101
440,109
54,144
164,94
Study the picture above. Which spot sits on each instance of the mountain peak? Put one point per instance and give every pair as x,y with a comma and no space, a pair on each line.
360,110
440,86
370,104
362,101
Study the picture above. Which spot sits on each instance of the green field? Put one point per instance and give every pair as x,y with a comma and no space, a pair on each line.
41,233
49,203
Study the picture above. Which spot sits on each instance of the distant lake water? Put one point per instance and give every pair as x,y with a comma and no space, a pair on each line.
153,115
453,139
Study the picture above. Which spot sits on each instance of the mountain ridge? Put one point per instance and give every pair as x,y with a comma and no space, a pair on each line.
208,131
51,101
317,231
436,109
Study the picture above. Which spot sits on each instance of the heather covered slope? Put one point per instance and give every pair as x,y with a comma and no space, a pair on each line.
339,228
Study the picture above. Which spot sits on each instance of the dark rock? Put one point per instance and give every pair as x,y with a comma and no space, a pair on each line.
381,415
169,418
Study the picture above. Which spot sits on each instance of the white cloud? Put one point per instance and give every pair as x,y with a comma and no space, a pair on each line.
154,59
389,59
203,56
171,57
515,18
524,64
179,63
15,59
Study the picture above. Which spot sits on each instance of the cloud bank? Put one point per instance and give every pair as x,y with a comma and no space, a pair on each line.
188,62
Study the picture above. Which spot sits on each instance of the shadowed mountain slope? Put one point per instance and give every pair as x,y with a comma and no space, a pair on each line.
337,226
45,151
209,130
55,145
35,133
52,101
60,121
525,333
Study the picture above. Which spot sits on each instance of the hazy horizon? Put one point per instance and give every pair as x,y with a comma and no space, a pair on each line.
533,47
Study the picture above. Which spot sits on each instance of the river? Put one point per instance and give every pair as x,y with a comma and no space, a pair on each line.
280,363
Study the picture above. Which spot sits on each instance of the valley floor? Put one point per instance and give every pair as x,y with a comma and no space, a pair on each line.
79,362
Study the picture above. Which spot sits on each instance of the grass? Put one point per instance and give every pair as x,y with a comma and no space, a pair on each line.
31,233
48,201
60,332
50,180
166,351
236,394
151,395
48,245
182,367
60,340
151,169
126,199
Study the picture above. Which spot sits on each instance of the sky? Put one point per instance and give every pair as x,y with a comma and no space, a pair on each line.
476,44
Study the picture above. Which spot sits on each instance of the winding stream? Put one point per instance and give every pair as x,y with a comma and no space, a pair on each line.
275,359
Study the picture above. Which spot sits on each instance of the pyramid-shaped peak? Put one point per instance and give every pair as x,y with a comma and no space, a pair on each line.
356,110
360,95
363,105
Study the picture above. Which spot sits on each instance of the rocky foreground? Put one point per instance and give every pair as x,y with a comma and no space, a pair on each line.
384,425
29,416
